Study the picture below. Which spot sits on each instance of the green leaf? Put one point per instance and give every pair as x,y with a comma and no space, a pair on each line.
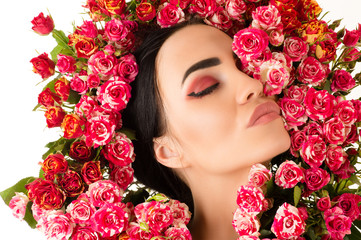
355,233
61,145
297,195
55,52
129,132
73,98
29,218
60,38
18,187
159,198
36,107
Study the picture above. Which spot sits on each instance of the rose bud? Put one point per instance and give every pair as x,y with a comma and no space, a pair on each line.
54,116
80,151
145,11
72,126
351,38
42,25
54,164
62,88
43,66
47,98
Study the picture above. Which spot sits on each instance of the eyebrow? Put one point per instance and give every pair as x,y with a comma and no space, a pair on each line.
205,63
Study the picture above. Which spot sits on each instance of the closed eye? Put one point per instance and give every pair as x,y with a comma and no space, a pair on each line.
204,92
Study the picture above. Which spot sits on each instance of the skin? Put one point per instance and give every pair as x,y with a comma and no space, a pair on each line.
208,140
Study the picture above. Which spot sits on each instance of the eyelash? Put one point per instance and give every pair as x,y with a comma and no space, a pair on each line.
204,92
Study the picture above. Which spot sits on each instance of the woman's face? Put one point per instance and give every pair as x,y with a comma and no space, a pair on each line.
217,114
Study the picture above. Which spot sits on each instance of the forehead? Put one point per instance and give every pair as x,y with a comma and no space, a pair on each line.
189,45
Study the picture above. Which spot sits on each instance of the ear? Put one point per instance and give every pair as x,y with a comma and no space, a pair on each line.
167,152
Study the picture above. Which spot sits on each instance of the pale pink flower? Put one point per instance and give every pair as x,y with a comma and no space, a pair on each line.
104,191
259,175
288,174
246,223
18,205
56,225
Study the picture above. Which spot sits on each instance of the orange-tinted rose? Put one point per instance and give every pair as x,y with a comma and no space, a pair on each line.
71,183
47,98
62,88
43,66
309,9
325,51
145,11
84,46
112,7
72,126
54,116
289,18
54,164
91,172
123,236
313,31
80,151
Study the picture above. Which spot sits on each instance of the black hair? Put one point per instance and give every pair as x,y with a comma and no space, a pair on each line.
144,114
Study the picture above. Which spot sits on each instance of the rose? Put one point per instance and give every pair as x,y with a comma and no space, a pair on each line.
288,174
352,137
126,44
88,29
54,164
313,31
309,10
311,71
120,151
251,199
114,94
316,178
236,9
266,18
145,11
220,19
346,112
276,37
80,151
345,170
123,176
99,130
178,233
42,25
102,64
245,223
126,68
79,84
293,112
43,66
351,54
181,213
136,232
335,131
45,194
85,106
71,183
296,92
54,116
351,38
335,157
357,105
104,191
325,50
297,140
324,203
84,46
289,18
112,7
295,48
72,126
47,98
319,104
349,203
169,15
116,30
66,64
80,211
56,225
288,222
259,175
62,88
91,172
342,81
313,128
250,43
93,80
337,224
203,8
18,205
313,151
110,219
81,233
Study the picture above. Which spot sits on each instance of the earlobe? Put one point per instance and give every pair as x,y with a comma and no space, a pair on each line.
167,153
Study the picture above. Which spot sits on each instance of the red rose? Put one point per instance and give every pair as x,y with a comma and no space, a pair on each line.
288,174
71,183
43,66
62,88
349,203
85,106
351,54
324,50
324,203
72,126
88,29
84,46
47,98
54,116
79,84
93,80
123,176
43,25
342,81
145,11
346,112
351,38
316,178
297,140
54,164
45,194
335,157
66,64
80,151
91,172
120,150
337,223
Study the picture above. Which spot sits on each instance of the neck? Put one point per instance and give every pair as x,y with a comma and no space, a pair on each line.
214,204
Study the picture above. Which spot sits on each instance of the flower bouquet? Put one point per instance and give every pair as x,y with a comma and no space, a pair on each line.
85,188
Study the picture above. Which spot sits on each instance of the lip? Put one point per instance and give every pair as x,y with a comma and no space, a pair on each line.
264,113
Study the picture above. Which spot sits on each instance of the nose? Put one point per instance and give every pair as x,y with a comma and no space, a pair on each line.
247,89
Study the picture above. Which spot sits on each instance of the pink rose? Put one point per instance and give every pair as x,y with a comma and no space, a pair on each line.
345,170
346,112
104,191
313,128
319,104
203,8
276,37
266,18
38,212
126,68
116,30
335,131
114,94
169,15
85,106
335,157
79,84
324,203
337,224
288,222
100,63
293,112
352,137
178,233
296,92
123,176
80,211
18,205
251,199
100,130
288,174
88,29
181,213
136,232
245,223
220,19
236,9
66,64
110,220
313,151
295,48
120,150
351,54
342,81
93,80
125,44
259,175
316,178
297,140
351,38
42,25
43,66
349,203
56,225
357,105
87,232
311,71
249,43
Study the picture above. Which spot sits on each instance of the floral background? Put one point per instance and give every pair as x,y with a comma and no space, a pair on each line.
23,132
